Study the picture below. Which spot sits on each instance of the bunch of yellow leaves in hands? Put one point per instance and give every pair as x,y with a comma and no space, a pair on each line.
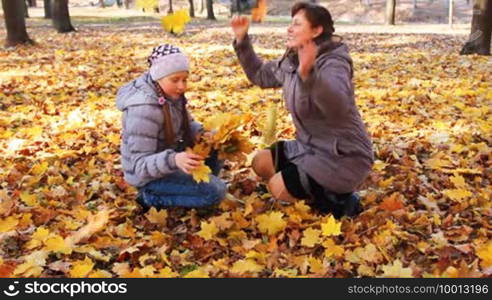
227,139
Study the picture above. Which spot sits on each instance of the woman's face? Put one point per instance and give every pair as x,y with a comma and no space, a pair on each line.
300,30
174,85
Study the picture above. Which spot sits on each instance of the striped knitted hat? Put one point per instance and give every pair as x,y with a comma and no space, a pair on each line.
165,60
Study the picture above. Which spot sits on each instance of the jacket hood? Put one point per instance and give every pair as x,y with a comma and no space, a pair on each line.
137,92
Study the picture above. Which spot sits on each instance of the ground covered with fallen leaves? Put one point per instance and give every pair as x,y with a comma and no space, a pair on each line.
66,211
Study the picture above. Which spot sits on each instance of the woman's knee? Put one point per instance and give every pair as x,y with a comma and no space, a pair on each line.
277,188
263,164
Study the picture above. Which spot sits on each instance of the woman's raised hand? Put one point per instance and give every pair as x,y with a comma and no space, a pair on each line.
240,26
307,56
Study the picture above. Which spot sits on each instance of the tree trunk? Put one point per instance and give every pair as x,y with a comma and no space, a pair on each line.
481,29
210,10
47,9
32,3
61,16
26,10
15,23
170,10
192,8
127,4
451,13
202,6
101,3
390,12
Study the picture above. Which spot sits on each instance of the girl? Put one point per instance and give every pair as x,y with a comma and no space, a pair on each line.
332,152
157,128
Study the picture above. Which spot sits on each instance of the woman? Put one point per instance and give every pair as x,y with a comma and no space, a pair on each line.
332,152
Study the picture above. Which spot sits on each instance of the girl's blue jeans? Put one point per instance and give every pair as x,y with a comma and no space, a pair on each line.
180,189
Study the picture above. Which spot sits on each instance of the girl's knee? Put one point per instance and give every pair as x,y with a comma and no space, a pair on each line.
216,190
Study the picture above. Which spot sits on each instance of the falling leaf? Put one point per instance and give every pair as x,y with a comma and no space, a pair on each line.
271,223
331,227
175,22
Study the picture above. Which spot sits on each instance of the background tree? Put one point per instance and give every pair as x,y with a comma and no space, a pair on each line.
481,29
192,8
170,10
26,10
390,12
47,9
210,10
15,23
61,16
32,3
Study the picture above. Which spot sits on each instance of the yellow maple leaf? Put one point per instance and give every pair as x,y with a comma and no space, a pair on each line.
271,223
175,22
438,162
201,173
458,181
457,194
94,224
8,224
311,237
246,266
202,149
38,237
396,270
167,272
208,230
157,217
100,274
331,227
39,169
33,265
316,265
198,273
81,268
485,254
332,249
28,199
57,244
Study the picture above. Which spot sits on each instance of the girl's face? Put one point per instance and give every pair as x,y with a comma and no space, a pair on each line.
300,31
174,85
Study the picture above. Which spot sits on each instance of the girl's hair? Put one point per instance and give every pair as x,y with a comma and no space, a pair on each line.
168,127
316,15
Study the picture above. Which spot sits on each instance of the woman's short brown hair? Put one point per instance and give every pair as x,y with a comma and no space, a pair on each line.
316,15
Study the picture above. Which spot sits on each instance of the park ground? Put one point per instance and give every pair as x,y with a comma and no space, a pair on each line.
67,212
